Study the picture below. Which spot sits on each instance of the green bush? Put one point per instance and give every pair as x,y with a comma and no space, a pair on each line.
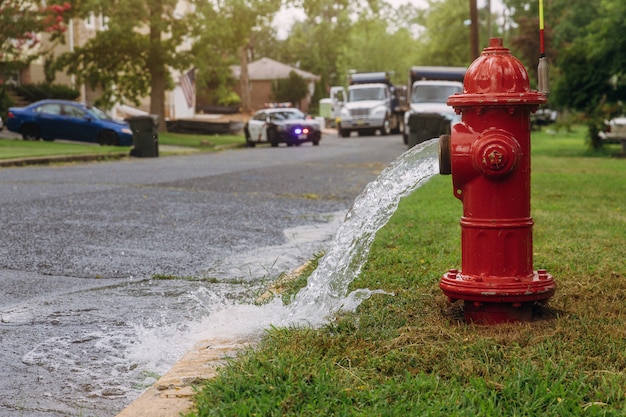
5,102
41,91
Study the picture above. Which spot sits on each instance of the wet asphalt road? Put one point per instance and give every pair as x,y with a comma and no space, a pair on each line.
79,244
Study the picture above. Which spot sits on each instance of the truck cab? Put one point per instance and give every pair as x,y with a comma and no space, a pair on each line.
366,110
372,103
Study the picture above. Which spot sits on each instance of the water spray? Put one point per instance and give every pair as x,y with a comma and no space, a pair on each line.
542,69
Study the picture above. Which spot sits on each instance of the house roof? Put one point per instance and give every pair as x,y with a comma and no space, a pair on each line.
268,69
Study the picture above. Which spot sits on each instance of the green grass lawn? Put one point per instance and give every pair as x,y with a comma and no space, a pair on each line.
411,355
11,149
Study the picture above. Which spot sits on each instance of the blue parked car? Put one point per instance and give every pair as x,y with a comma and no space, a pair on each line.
70,120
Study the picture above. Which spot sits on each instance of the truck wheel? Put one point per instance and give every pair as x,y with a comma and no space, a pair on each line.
399,125
344,132
386,129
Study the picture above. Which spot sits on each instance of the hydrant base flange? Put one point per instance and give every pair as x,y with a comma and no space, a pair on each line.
492,300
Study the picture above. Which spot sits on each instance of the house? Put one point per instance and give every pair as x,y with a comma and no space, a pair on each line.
179,102
263,73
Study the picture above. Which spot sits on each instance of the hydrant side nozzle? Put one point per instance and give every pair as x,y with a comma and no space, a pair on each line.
445,160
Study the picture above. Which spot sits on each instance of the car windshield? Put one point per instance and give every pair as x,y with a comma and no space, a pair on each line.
433,93
363,94
97,113
286,115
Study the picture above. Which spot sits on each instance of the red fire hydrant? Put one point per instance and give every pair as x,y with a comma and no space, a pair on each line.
488,155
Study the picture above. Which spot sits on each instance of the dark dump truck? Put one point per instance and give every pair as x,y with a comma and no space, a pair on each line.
429,116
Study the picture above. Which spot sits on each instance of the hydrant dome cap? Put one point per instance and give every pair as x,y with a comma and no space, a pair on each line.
496,78
496,71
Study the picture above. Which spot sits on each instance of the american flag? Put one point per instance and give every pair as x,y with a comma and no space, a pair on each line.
188,84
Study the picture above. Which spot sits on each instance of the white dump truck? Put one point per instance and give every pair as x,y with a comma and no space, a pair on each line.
372,103
429,116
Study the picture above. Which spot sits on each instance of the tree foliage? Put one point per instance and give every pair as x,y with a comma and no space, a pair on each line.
592,76
22,27
225,34
585,43
132,58
445,40
291,89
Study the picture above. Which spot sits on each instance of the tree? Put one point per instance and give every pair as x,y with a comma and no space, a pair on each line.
292,89
22,26
445,40
592,77
383,44
133,57
225,33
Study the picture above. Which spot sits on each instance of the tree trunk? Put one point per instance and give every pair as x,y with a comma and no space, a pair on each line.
244,80
157,95
156,67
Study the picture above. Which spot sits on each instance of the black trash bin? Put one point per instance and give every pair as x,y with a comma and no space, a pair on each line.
145,135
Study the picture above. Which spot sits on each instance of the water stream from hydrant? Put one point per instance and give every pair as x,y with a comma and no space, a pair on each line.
327,288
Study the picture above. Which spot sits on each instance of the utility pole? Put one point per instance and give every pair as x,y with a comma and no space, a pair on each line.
473,29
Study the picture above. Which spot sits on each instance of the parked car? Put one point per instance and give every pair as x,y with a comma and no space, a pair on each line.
1,124
615,130
281,125
62,119
543,117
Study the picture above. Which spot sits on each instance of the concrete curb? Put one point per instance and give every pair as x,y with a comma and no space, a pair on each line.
173,393
46,160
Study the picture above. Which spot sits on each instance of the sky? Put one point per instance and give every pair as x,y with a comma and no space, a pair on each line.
285,19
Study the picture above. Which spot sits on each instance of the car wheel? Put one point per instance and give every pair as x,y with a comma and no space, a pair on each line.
108,138
249,143
30,132
272,139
